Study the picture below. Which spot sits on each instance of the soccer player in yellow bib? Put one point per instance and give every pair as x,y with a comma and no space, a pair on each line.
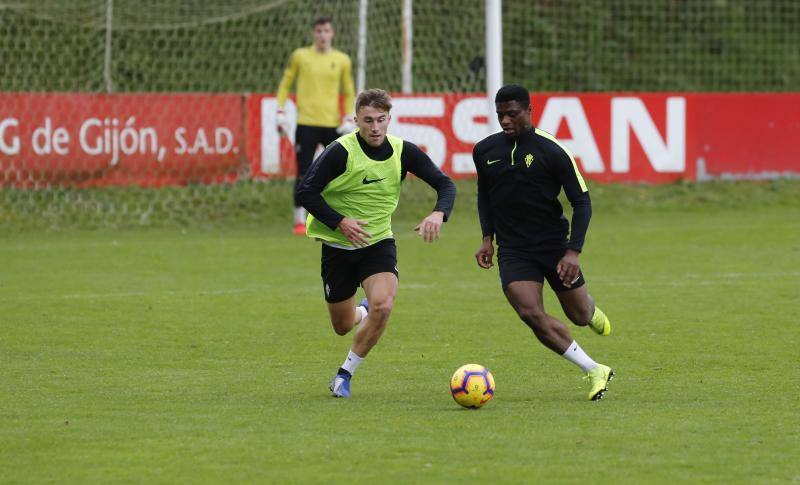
351,192
322,74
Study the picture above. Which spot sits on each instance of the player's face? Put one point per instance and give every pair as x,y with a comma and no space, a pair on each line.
323,36
372,124
513,117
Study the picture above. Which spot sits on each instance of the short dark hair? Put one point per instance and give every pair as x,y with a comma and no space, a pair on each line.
321,21
513,92
377,98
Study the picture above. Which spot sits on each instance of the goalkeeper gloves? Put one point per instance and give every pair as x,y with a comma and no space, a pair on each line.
282,121
348,125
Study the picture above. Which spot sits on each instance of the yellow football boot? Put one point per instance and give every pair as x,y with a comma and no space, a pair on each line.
599,322
599,377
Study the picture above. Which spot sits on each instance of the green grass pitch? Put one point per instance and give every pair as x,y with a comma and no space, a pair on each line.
196,355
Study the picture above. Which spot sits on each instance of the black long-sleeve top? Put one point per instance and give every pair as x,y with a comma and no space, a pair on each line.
332,162
519,180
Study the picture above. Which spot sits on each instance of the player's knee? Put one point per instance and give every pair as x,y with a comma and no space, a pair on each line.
532,316
381,308
579,316
341,326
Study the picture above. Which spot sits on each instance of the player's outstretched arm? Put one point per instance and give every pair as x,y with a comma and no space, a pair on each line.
431,226
417,162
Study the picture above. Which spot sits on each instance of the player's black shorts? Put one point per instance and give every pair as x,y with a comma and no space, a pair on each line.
516,265
343,270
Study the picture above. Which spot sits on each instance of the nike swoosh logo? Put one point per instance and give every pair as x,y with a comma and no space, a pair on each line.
489,162
368,181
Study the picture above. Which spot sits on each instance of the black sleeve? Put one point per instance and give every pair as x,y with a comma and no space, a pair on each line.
330,164
577,194
484,209
581,214
420,164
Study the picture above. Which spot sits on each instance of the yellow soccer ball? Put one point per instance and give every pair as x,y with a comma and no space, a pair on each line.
472,386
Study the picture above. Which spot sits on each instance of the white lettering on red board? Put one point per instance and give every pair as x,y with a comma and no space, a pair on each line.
9,143
582,145
428,138
665,154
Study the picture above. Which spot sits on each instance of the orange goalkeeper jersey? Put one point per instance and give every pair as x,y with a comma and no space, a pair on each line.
321,78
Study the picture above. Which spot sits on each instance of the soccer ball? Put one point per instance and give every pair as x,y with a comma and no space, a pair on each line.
472,386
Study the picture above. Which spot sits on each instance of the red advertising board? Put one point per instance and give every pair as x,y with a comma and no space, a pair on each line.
124,139
747,135
615,137
446,126
161,139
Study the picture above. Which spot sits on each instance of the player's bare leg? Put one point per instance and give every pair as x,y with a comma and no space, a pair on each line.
577,304
579,307
526,299
345,315
381,289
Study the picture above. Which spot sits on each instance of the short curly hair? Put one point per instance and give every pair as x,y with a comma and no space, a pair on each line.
513,92
376,98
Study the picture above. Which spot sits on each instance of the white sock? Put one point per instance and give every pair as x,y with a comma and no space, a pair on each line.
299,215
362,312
352,362
577,356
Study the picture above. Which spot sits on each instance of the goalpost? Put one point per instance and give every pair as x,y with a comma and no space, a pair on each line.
494,57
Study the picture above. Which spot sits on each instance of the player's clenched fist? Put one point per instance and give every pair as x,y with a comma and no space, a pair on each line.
485,253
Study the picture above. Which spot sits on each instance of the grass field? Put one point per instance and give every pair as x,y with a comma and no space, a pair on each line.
192,355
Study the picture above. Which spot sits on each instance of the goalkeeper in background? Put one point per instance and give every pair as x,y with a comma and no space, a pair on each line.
322,74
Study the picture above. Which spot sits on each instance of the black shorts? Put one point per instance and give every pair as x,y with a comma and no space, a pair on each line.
306,139
343,270
516,265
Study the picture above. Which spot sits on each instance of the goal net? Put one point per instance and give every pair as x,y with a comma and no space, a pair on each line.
119,113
